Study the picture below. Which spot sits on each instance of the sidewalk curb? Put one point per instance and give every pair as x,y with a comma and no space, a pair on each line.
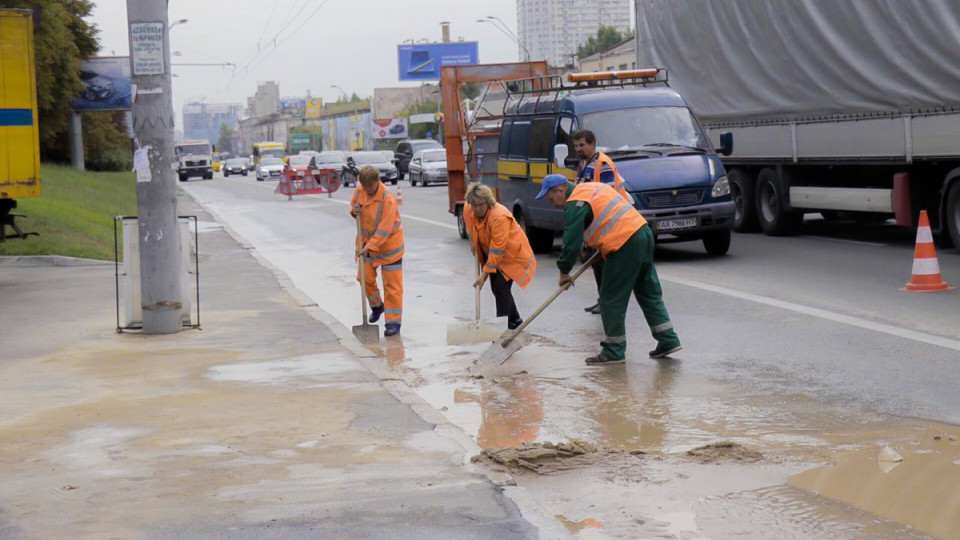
46,261
547,526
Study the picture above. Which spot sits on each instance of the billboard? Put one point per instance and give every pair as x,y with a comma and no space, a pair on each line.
421,62
313,108
293,106
106,85
388,128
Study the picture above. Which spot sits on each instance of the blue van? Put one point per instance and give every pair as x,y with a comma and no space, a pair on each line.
663,154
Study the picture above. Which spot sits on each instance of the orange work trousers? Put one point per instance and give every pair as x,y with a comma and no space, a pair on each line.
392,299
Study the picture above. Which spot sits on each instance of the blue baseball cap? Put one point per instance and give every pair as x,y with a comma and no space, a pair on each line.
551,181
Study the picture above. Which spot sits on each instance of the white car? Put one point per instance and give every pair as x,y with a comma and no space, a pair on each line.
428,166
269,168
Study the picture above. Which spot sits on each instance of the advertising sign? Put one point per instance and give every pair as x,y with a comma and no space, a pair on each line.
314,107
292,106
421,62
146,47
388,128
106,85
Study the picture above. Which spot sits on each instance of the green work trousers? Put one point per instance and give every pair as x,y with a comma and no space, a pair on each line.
630,269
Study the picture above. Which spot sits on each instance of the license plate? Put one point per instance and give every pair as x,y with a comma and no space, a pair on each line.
676,224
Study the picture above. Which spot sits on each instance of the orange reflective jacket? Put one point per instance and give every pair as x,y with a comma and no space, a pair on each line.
380,223
498,240
618,183
614,220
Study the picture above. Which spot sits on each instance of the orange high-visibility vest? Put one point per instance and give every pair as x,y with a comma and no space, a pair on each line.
614,220
618,184
499,239
380,223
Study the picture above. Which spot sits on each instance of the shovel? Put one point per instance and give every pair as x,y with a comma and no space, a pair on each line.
366,333
474,332
502,350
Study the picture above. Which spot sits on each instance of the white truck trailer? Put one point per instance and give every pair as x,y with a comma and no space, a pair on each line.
850,108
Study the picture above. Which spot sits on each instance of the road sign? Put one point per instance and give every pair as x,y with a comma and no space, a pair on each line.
422,62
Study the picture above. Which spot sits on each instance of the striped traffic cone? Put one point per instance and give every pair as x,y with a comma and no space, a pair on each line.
926,269
399,195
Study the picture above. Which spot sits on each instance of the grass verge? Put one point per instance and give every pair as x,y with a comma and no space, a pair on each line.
74,214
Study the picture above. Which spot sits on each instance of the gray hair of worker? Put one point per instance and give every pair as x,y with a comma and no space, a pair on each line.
478,193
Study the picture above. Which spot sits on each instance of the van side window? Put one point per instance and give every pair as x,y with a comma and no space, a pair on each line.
505,138
519,135
565,129
541,131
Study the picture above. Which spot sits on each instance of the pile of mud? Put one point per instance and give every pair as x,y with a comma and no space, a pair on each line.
724,451
543,458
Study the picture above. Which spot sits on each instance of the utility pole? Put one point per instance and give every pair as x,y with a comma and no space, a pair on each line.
156,186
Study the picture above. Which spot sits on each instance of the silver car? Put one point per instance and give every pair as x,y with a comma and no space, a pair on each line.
428,166
269,168
388,172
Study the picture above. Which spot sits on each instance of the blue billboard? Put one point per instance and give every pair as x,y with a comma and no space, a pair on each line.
106,85
421,62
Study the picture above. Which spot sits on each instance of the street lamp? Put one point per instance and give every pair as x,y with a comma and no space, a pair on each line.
511,33
345,97
181,21
507,33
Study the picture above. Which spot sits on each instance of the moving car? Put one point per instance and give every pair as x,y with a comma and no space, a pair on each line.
301,163
235,166
428,166
217,162
407,148
388,173
269,167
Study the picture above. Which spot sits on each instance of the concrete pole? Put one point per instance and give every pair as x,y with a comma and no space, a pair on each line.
76,141
156,193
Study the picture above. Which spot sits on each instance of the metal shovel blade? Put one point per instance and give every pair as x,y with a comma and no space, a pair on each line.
475,332
498,353
367,333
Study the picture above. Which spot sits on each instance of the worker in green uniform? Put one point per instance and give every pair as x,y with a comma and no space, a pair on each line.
594,212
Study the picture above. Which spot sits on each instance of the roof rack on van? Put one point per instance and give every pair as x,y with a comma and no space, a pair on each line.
548,89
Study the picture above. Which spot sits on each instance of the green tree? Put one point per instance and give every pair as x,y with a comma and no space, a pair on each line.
419,131
607,36
61,40
225,139
106,143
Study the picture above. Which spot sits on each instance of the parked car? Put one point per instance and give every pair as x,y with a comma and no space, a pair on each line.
269,167
235,166
356,160
428,166
407,148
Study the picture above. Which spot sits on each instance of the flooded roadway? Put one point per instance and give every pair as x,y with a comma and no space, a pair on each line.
802,383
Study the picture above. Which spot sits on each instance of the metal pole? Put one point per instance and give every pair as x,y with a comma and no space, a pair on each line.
76,141
156,192
636,33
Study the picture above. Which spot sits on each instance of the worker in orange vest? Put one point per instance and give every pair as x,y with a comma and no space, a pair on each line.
501,248
595,166
594,212
381,246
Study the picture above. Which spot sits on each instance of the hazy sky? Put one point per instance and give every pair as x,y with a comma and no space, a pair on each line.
350,43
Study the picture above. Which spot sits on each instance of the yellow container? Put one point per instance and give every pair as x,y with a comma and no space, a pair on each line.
19,133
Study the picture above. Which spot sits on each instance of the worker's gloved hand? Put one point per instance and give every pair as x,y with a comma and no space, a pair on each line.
481,279
566,280
355,210
364,252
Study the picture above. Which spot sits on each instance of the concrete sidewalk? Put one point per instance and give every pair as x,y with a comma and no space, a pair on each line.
262,425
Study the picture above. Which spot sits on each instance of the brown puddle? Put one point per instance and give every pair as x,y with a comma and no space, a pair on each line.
922,491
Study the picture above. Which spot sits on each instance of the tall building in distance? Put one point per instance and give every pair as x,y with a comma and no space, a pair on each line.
203,120
553,29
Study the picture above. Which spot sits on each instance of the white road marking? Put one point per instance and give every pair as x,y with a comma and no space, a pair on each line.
844,241
913,335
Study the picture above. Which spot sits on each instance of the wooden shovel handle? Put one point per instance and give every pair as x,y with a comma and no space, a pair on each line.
573,277
363,283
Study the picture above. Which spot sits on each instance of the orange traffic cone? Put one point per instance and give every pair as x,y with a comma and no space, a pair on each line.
926,269
399,195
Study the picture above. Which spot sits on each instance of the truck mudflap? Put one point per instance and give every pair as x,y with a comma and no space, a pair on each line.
691,221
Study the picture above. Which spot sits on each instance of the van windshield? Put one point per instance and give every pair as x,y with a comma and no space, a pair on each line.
624,129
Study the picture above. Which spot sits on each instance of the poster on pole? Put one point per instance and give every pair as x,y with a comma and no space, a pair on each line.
146,47
106,85
388,128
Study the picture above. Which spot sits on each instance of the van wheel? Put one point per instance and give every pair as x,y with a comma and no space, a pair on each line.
183,178
717,243
774,218
541,240
461,224
952,217
743,190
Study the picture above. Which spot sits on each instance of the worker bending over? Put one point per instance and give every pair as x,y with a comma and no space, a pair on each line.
381,246
501,248
595,212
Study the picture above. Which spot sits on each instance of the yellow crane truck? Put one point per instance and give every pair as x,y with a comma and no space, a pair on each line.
19,132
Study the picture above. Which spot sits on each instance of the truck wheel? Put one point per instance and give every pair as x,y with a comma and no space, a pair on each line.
743,190
775,220
462,225
541,240
952,217
183,178
717,243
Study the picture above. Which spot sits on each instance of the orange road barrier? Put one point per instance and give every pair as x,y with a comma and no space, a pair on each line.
302,182
926,268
